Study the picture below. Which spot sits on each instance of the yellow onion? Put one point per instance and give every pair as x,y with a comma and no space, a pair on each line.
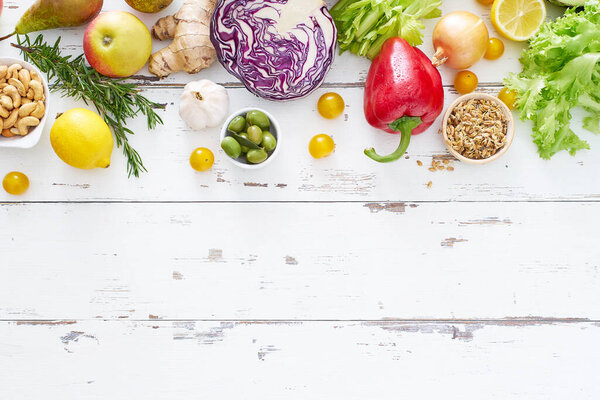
460,39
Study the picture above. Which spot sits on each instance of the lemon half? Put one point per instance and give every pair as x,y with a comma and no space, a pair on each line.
518,20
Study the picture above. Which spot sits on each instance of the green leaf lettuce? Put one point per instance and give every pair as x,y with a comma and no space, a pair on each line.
561,70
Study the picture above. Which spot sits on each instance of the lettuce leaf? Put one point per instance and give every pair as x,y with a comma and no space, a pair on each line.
364,25
561,70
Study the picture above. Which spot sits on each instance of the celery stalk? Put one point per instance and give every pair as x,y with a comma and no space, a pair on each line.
364,25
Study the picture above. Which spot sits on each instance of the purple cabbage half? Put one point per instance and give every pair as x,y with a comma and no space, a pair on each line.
279,49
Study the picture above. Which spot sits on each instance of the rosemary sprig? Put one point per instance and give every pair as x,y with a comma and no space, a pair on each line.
115,100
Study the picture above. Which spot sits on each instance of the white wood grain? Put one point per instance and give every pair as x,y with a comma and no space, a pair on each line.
346,69
143,288
295,175
348,175
309,360
299,260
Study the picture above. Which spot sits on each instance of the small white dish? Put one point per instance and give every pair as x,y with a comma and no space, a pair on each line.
27,142
510,130
275,130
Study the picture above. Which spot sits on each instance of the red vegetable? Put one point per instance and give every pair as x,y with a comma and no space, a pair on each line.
403,93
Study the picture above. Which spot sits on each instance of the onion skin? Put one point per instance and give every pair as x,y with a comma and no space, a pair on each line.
460,39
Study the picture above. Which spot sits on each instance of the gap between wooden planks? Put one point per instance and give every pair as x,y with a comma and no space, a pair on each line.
508,321
155,360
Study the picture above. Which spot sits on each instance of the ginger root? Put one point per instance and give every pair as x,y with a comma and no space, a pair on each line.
191,50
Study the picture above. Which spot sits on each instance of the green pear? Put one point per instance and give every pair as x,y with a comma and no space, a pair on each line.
50,14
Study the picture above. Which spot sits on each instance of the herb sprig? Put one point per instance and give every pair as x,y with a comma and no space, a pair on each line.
115,100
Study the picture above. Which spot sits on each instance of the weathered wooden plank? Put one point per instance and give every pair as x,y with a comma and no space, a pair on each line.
347,68
299,260
335,360
295,175
346,176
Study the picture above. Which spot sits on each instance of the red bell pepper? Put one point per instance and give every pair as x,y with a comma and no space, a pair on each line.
403,93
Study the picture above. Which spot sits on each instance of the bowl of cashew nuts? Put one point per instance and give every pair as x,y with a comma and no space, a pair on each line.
23,103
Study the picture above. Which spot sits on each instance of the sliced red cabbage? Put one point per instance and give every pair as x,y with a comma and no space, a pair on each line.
279,49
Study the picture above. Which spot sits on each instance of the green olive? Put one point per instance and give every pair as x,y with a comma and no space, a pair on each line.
255,134
231,147
256,156
269,142
244,148
258,118
238,124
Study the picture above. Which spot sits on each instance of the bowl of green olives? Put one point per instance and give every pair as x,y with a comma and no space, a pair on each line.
250,138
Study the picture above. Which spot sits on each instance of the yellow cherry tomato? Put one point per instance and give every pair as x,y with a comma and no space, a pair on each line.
331,105
465,82
202,159
485,2
495,49
15,183
508,97
321,146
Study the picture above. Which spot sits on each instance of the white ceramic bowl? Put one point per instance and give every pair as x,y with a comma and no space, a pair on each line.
275,131
510,131
26,142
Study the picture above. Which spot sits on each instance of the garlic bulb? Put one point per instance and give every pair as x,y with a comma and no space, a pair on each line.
203,104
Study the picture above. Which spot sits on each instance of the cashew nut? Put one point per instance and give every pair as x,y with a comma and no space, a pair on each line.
7,133
24,124
25,78
35,76
19,85
21,100
27,109
38,90
13,70
39,111
12,92
11,120
4,112
6,102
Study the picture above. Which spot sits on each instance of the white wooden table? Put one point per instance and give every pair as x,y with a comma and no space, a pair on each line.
311,279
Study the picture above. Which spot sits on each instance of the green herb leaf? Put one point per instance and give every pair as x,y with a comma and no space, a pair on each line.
242,140
115,100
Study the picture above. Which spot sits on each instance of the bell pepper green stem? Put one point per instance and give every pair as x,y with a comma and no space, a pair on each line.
405,126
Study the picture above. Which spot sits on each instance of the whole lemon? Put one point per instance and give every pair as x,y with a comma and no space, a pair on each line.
149,6
82,139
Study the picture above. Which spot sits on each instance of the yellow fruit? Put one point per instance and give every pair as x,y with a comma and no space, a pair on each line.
495,49
465,82
331,105
82,139
321,146
508,97
202,159
15,183
518,19
149,6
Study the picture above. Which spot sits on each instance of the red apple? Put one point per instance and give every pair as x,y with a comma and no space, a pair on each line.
1,6
117,44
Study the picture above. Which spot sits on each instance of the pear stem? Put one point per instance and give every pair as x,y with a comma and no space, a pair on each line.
7,36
